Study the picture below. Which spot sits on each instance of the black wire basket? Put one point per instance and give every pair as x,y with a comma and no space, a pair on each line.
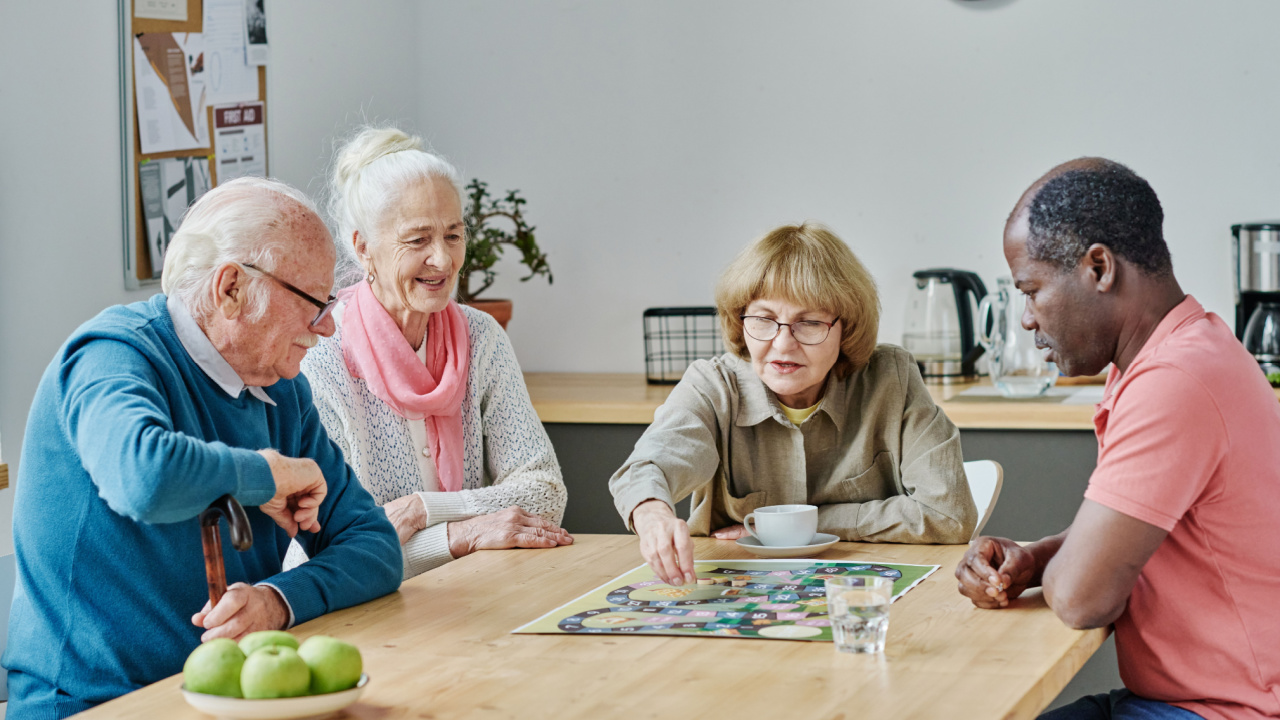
675,337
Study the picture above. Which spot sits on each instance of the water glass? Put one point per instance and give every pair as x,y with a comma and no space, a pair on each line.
858,607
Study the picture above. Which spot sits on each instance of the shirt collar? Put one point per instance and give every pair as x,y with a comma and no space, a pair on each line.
206,356
1187,311
759,402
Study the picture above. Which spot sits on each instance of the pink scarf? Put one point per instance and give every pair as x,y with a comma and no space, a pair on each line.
375,349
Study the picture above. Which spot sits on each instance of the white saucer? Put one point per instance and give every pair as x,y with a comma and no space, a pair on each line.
822,541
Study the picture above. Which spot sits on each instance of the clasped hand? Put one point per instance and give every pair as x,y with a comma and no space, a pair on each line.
994,571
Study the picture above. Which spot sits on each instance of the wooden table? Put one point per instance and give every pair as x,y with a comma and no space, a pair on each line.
441,648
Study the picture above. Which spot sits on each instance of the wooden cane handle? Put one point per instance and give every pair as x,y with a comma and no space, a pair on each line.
214,570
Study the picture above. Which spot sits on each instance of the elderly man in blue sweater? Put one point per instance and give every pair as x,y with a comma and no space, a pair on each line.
152,411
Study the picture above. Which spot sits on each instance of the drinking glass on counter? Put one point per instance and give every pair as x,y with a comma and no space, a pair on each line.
858,607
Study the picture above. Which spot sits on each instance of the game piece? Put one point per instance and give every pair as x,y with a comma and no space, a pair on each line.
721,580
739,583
706,581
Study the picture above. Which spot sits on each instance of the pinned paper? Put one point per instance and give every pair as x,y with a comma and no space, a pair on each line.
171,98
240,141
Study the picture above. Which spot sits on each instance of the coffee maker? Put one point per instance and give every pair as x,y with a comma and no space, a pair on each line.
1256,254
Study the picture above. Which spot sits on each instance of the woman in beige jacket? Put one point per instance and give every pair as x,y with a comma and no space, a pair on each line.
804,408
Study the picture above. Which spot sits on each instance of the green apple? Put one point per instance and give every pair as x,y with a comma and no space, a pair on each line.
214,668
266,638
335,665
274,672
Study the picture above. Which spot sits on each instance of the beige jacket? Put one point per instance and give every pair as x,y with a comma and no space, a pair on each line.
879,458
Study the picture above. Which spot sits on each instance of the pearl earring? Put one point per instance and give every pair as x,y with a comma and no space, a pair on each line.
370,279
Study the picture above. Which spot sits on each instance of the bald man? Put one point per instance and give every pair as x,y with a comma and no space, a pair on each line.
1176,541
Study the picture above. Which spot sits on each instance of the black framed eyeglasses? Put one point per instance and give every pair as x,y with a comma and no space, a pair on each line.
325,307
806,332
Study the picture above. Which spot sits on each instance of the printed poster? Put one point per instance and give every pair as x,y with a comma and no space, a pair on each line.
171,99
168,186
229,76
255,31
175,10
239,141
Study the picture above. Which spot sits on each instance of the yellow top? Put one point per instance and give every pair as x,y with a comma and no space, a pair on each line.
797,417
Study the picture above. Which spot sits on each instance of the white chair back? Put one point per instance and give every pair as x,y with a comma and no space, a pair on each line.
986,477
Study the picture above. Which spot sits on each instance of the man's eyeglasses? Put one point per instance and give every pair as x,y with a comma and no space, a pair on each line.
807,332
325,307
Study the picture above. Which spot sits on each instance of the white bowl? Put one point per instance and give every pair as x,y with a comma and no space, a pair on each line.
275,709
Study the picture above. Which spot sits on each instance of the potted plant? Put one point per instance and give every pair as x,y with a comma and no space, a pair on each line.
485,245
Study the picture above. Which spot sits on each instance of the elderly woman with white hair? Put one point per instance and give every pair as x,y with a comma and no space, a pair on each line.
424,395
806,408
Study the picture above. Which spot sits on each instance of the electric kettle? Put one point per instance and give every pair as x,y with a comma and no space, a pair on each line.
939,327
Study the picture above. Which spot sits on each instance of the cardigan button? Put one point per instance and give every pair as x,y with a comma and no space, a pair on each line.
426,452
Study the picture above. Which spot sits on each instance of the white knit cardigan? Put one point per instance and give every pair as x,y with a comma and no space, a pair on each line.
508,457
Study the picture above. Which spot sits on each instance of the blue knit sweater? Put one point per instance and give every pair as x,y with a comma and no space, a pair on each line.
127,442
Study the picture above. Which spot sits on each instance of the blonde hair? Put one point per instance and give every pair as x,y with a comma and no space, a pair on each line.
369,171
809,266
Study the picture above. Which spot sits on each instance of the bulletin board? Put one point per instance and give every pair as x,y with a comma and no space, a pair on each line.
137,160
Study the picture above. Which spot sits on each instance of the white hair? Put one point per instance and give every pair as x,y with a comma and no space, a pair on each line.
369,171
236,222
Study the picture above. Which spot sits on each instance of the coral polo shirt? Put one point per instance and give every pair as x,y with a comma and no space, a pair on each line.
1189,441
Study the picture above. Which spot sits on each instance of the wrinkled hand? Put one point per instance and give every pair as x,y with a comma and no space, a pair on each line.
733,532
242,610
664,542
408,515
300,488
994,571
510,528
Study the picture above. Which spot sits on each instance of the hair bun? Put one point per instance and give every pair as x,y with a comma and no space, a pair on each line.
369,145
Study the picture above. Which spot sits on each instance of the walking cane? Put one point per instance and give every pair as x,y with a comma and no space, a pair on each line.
241,539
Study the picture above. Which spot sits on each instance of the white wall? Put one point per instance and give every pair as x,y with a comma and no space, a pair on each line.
653,140
60,239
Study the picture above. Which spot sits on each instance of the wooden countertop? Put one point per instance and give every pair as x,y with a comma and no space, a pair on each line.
625,398
442,648
4,476
613,398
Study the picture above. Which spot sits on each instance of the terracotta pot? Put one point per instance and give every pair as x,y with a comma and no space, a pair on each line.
499,309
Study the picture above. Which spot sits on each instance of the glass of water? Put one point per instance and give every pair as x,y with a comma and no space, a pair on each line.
858,607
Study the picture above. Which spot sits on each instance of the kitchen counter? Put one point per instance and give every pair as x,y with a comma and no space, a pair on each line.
625,398
616,398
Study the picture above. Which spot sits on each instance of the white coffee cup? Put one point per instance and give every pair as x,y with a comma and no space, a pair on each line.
783,525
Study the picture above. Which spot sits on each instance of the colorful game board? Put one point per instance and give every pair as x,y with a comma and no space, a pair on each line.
774,599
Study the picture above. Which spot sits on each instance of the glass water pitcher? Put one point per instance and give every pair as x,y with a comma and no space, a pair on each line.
1018,368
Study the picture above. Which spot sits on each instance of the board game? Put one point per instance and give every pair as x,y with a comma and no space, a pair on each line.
770,599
